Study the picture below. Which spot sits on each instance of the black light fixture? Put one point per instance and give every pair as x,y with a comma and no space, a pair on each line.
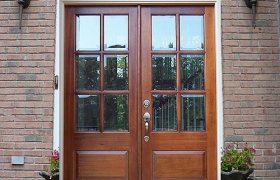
22,5
252,4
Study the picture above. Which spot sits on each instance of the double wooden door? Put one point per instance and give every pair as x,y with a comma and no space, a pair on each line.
140,100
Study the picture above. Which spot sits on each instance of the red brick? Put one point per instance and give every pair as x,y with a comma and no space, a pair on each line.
26,87
251,80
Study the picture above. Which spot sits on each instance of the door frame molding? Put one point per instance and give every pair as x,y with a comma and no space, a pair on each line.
59,63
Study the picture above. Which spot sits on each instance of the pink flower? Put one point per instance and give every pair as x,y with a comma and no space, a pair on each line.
55,155
253,150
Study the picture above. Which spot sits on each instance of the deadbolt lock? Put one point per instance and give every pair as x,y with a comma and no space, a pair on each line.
146,103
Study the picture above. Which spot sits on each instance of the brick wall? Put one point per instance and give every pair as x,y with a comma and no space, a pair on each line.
26,87
251,77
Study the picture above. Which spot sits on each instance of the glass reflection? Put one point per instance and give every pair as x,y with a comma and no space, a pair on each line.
87,115
164,113
116,113
191,33
163,33
164,72
87,33
192,72
87,72
193,113
116,72
116,32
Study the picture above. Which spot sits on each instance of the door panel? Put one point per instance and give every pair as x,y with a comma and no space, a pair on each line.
139,96
101,94
178,79
190,164
102,164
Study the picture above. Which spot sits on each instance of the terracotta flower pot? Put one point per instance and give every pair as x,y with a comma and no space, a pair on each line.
49,176
236,175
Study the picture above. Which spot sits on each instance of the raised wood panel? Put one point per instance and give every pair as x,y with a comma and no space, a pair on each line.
179,165
102,165
179,141
102,141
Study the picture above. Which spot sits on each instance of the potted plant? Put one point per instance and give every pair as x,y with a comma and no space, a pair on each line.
53,172
237,164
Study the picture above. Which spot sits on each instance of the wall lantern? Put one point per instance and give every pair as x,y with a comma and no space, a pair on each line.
252,4
22,5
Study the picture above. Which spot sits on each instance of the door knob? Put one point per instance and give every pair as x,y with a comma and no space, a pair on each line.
146,118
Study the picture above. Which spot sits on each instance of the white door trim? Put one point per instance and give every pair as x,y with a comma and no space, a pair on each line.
59,63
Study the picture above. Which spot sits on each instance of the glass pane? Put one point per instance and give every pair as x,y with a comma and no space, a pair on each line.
164,113
116,73
87,33
116,32
163,33
87,72
87,113
192,72
193,113
116,113
164,72
191,33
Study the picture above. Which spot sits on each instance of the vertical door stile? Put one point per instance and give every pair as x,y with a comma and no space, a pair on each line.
145,86
139,95
211,93
68,94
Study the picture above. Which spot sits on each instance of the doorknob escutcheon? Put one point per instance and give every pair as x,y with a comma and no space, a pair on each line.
146,118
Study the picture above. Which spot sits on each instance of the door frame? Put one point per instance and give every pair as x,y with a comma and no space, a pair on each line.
58,129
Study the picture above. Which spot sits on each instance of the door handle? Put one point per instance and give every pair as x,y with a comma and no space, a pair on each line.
146,118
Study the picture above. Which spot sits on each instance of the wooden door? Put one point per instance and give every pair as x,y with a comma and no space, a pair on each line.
100,119
178,79
139,100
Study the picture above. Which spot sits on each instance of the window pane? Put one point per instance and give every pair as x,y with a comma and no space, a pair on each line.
164,113
87,72
164,72
163,33
191,33
193,113
116,113
87,112
192,72
116,32
116,72
87,33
